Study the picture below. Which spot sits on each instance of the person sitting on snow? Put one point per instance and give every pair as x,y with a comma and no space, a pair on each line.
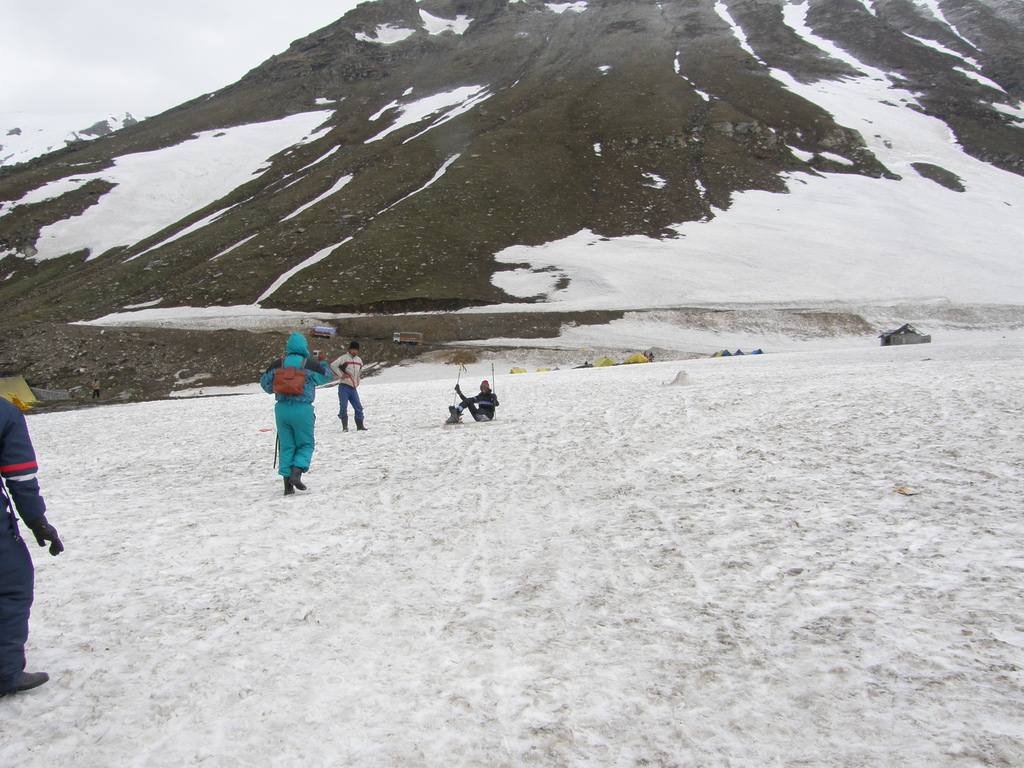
481,406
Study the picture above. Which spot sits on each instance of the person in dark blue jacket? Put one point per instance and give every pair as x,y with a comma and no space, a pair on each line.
481,406
17,576
294,413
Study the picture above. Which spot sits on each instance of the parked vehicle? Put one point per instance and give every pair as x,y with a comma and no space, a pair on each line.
407,338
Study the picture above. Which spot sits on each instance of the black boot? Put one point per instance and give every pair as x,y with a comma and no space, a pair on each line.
359,426
288,490
29,680
296,479
344,423
453,418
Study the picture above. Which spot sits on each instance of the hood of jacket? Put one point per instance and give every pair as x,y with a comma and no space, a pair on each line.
297,345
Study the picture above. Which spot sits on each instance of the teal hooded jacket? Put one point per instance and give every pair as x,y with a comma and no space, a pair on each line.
297,357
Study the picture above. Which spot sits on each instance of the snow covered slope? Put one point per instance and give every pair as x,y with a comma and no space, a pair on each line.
809,558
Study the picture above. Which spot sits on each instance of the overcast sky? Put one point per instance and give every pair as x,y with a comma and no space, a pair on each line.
141,56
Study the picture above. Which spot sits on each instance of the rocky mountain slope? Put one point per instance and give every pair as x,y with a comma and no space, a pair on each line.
445,132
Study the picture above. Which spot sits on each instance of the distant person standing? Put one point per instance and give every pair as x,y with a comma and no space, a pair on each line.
293,411
95,389
17,576
349,367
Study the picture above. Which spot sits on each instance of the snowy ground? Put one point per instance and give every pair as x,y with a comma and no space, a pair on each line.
698,562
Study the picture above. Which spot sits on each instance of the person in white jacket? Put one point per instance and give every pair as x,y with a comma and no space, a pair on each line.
348,367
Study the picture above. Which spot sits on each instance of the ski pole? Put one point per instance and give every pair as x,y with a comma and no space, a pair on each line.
457,380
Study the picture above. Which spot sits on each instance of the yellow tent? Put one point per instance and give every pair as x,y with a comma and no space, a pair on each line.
518,370
639,357
16,390
543,370
603,362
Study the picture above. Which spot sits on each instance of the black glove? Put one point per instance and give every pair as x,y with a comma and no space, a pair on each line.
459,391
45,532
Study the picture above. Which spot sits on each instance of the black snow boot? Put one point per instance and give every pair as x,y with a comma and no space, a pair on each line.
359,426
29,680
344,423
288,489
296,479
454,417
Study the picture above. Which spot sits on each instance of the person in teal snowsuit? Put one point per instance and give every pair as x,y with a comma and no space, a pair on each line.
294,413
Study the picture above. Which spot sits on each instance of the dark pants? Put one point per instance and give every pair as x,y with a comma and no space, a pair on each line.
346,395
476,413
16,581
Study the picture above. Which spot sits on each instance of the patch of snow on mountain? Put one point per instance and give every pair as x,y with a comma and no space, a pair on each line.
795,17
242,316
837,158
449,104
578,7
338,185
26,136
156,189
723,12
385,35
981,79
181,233
1016,110
653,180
935,9
317,257
972,62
833,238
435,25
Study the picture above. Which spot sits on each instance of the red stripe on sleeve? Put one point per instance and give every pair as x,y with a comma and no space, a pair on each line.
19,467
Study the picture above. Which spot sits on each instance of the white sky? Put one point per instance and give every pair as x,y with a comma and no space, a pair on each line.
61,57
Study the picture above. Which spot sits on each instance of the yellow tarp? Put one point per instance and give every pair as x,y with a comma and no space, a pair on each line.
15,390
603,362
639,357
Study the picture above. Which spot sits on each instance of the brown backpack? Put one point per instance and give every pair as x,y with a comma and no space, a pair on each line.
288,380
